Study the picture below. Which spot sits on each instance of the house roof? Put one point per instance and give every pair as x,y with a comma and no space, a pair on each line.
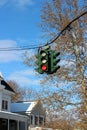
5,84
7,87
23,106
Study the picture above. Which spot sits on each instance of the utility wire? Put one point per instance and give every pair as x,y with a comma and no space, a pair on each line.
18,49
51,41
67,27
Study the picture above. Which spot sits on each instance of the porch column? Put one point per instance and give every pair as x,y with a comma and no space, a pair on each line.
33,120
17,125
38,120
8,124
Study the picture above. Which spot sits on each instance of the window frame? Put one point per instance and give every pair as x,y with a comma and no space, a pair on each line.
4,105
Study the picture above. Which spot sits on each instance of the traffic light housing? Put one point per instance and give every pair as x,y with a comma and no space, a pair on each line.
54,61
43,60
47,60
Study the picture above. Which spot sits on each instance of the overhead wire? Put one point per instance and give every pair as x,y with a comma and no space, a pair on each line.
18,48
51,41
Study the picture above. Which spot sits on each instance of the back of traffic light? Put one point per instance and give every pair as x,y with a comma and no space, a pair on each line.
54,61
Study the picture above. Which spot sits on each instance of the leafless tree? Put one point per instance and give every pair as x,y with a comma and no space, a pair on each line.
69,82
19,91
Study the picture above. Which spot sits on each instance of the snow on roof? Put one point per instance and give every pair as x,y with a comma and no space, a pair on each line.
1,76
22,106
4,84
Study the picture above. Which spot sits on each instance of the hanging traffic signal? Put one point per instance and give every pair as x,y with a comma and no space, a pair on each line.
47,60
43,60
54,61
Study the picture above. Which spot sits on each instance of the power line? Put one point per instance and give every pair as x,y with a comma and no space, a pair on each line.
17,48
67,27
51,41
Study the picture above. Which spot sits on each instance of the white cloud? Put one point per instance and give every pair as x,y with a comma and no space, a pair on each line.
25,77
6,56
17,3
22,77
3,2
22,3
23,73
7,43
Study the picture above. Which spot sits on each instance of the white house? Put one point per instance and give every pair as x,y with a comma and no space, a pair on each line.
9,120
19,115
34,111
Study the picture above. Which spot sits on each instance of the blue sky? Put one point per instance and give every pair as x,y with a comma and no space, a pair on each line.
19,21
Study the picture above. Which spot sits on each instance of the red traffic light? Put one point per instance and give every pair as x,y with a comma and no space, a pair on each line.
43,67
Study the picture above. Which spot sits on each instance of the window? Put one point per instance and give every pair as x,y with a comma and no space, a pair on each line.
4,105
36,120
4,122
31,119
41,120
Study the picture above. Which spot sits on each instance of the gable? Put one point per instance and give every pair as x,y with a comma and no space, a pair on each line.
38,109
7,87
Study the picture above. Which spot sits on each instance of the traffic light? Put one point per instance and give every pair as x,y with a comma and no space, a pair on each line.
54,61
43,60
47,60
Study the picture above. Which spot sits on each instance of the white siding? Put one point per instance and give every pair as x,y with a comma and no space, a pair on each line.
5,95
7,98
1,90
0,100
